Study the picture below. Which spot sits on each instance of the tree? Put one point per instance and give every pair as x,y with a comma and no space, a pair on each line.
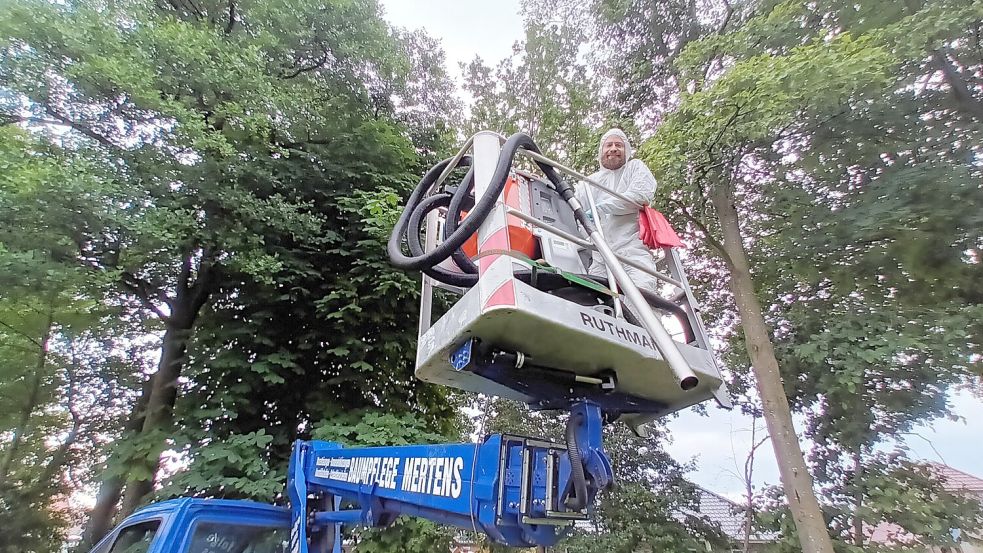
706,149
781,89
203,119
543,90
638,44
66,365
878,324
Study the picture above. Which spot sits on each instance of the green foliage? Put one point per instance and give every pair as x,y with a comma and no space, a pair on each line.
375,429
235,467
762,95
859,200
636,519
638,44
912,496
406,534
543,90
29,524
893,490
63,380
225,172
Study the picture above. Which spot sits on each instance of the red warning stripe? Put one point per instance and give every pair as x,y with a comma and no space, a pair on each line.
505,295
499,240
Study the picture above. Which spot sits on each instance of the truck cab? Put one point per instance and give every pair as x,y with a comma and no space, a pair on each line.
191,525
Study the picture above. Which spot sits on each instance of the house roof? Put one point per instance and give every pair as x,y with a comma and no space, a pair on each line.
952,480
728,514
956,480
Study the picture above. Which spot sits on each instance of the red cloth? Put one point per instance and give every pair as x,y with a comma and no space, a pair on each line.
654,230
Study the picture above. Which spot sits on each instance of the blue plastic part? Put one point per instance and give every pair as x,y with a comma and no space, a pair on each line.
462,355
590,438
327,518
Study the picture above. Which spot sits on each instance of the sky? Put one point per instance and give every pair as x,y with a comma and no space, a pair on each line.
466,28
718,442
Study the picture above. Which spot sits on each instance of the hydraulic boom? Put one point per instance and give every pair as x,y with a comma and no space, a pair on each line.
519,491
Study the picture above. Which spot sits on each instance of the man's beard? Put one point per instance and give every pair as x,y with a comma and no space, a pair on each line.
615,163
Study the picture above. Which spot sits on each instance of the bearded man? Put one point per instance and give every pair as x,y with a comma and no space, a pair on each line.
617,217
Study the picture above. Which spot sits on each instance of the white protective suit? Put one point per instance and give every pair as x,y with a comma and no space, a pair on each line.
618,218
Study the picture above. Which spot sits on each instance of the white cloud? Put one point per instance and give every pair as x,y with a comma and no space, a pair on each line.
465,28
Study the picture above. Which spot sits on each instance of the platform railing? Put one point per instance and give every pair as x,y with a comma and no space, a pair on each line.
676,278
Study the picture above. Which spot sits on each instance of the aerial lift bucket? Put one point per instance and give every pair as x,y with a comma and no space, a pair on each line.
530,324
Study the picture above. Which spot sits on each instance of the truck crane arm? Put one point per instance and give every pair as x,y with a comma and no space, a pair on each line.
519,491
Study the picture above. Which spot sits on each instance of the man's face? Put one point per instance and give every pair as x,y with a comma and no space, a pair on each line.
613,153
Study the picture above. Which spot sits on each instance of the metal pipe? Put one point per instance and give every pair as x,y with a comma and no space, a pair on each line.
667,347
586,244
426,293
453,164
663,341
564,169
612,283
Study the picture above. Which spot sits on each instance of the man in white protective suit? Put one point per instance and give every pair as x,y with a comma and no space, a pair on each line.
619,218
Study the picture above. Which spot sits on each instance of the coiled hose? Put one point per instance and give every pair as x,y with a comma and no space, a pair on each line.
420,204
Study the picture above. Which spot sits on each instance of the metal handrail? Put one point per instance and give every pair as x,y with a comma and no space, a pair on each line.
453,164
564,169
586,244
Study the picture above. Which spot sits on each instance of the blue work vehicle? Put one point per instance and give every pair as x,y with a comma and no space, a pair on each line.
201,526
529,324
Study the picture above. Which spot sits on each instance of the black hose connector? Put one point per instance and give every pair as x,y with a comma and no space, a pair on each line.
578,500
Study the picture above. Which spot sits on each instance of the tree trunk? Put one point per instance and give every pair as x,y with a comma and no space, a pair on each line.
858,498
101,517
47,480
160,407
33,396
48,476
961,94
749,485
191,295
796,480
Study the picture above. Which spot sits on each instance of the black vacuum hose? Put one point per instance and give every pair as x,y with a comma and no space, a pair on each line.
394,246
441,199
461,197
578,501
419,204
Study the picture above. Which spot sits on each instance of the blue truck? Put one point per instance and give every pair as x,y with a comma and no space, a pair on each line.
192,525
519,491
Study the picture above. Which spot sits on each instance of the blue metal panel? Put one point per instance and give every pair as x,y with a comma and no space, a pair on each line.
442,479
511,488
